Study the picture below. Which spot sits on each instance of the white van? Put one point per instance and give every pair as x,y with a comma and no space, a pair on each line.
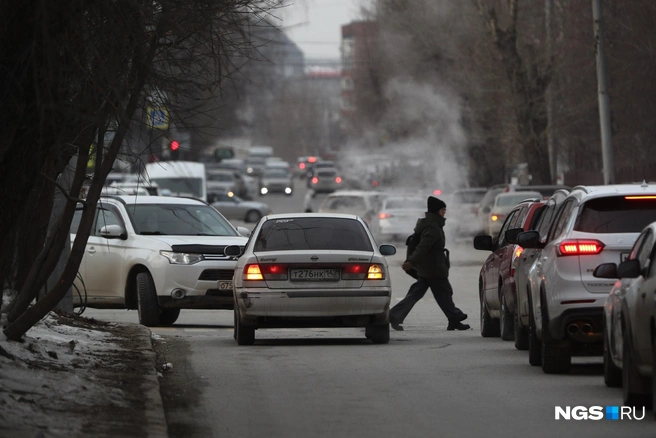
182,178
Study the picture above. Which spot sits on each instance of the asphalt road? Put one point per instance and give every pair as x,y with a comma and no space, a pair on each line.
427,382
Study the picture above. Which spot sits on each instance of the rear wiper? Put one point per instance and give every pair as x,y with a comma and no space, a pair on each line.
152,233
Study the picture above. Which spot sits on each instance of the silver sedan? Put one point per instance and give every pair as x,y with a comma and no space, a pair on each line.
312,270
233,207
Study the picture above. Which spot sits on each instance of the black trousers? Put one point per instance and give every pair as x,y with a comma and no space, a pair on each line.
442,291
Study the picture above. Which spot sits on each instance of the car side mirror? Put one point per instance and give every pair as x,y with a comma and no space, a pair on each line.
244,231
387,250
232,250
511,235
606,270
484,243
113,232
529,239
629,269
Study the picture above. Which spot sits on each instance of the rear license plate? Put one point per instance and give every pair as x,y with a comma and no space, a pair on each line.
225,285
315,274
624,256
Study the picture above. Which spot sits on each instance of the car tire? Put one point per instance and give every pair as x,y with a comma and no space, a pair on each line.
534,343
521,334
244,334
147,305
612,373
253,216
506,323
653,373
556,358
169,316
489,326
633,384
378,334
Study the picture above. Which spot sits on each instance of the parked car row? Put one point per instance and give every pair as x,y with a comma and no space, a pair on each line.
573,275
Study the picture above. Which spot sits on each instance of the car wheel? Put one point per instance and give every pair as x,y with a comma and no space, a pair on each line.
253,216
534,344
633,384
556,358
379,334
489,326
506,324
244,334
147,305
169,316
521,334
612,373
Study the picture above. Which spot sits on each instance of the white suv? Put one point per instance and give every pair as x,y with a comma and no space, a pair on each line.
594,225
157,255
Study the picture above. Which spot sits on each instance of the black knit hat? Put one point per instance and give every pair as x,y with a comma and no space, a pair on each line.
435,204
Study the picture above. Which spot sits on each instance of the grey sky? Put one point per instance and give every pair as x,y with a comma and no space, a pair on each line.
315,25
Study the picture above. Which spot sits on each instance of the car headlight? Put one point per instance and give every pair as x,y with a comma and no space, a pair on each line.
181,258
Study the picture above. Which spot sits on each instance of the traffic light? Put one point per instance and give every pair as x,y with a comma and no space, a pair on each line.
174,148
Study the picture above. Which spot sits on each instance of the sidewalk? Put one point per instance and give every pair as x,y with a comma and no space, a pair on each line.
79,377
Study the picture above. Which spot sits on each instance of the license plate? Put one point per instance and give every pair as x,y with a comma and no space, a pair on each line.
624,256
315,274
225,285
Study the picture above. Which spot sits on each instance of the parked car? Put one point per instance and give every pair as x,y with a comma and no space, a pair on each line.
496,279
463,204
504,203
521,265
233,207
362,203
398,216
311,270
594,225
326,180
276,180
629,332
157,255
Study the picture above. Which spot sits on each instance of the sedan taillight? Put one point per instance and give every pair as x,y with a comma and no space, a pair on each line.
361,271
256,272
580,247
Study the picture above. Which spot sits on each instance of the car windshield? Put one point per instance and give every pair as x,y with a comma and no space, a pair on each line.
191,186
405,203
316,233
275,173
616,214
221,177
327,173
178,220
511,200
345,203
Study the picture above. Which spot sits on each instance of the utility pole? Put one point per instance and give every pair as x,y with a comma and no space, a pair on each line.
551,144
604,105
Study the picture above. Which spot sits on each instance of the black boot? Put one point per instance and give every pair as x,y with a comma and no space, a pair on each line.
396,325
457,325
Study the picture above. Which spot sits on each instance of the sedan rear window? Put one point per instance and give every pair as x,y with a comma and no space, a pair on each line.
616,214
320,233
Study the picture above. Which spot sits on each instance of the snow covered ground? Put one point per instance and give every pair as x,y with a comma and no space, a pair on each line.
74,376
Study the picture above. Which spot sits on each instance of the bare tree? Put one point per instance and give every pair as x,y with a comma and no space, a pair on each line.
73,68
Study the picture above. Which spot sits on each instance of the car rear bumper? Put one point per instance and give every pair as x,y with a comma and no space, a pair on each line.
558,327
313,303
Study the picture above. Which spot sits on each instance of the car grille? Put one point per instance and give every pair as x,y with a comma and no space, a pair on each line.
216,274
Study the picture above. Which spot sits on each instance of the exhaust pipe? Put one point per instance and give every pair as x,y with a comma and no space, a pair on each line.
572,329
178,294
586,328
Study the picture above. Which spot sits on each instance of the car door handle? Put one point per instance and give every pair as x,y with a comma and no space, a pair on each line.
91,249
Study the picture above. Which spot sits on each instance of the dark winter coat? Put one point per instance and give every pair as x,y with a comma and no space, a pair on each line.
429,258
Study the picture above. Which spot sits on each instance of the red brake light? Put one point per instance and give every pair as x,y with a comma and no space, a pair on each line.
375,183
580,247
338,180
437,192
312,159
354,271
301,165
384,215
265,272
315,180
